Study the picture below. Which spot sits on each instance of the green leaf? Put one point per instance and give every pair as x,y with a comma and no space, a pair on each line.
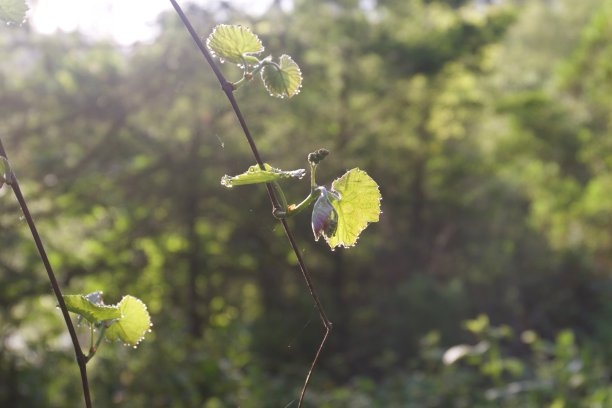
90,308
357,206
5,170
135,321
255,175
13,11
282,80
233,43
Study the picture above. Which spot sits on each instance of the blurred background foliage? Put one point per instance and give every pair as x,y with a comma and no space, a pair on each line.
486,283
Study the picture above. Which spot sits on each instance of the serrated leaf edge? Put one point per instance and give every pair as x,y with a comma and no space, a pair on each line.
280,68
134,345
299,70
241,27
338,194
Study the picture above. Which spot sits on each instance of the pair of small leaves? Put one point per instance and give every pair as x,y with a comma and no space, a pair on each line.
339,215
238,45
13,11
127,321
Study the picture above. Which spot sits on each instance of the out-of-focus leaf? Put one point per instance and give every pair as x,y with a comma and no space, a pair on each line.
5,170
13,11
459,351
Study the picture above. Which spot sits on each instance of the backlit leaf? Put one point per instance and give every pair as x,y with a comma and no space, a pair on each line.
357,205
135,321
284,80
255,175
233,42
90,308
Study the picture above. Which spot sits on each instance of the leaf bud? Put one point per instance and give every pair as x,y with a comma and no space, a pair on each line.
317,157
324,216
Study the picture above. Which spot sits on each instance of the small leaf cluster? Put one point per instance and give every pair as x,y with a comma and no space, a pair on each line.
238,45
340,214
127,321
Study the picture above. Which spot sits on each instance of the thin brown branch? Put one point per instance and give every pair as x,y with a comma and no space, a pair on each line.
80,357
228,89
314,363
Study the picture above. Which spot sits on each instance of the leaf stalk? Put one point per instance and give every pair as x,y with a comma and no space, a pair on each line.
80,357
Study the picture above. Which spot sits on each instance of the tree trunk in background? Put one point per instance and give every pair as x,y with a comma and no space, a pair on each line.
341,316
417,222
194,259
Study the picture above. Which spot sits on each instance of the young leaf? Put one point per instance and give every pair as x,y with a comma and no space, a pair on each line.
324,216
13,11
255,175
133,324
91,309
282,80
233,43
358,205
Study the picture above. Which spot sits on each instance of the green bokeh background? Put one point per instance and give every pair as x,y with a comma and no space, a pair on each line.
486,282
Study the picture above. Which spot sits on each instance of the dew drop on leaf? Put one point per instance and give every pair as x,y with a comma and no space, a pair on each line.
134,323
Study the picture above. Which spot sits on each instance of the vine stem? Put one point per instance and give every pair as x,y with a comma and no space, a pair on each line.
80,357
228,89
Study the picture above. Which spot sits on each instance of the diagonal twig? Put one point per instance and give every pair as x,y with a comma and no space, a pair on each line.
228,89
80,357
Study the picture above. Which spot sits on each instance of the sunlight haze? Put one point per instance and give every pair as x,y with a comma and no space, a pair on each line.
125,22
